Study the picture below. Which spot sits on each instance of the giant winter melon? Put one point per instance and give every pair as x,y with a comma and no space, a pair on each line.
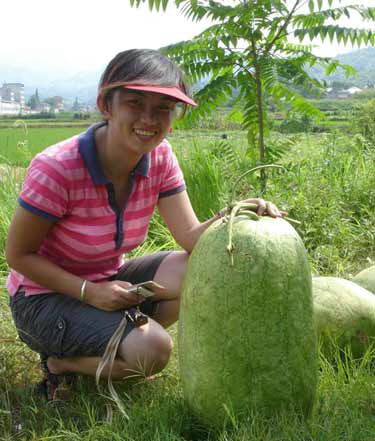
344,314
366,279
246,335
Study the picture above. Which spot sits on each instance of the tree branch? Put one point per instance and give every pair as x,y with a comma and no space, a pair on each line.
282,28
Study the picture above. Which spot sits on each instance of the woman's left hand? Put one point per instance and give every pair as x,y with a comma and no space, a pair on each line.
265,208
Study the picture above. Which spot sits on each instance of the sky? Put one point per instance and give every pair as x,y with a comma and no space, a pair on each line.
70,36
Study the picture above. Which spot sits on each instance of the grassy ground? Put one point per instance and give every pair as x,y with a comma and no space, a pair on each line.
328,184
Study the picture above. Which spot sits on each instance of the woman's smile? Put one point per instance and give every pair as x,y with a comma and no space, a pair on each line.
145,132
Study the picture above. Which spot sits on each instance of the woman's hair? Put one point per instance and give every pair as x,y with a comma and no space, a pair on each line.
143,67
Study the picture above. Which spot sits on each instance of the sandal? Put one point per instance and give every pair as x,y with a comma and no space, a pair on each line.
54,387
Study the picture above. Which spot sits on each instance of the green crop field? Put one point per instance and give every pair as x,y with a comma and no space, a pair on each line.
328,184
17,144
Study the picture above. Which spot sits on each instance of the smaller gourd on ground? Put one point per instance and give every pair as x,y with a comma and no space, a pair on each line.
344,314
366,279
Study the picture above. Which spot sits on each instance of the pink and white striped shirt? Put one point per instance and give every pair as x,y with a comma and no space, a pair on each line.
65,183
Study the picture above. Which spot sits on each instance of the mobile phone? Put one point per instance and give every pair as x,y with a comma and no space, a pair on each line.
145,289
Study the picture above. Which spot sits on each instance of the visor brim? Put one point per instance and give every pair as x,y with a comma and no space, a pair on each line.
173,92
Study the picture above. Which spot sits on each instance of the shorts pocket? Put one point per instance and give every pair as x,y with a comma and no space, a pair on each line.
40,322
56,340
48,340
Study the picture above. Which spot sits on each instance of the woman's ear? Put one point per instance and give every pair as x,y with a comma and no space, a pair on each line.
102,105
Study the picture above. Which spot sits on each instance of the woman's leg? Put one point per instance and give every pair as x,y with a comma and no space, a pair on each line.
170,274
145,351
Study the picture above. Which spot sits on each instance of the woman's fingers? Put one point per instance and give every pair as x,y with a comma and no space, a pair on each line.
131,297
266,208
124,297
272,210
262,207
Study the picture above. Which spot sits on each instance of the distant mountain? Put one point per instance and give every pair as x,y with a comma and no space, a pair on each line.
82,85
363,60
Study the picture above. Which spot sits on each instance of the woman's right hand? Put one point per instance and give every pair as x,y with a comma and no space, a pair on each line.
111,296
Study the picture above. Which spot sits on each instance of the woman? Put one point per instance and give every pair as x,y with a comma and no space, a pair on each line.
85,203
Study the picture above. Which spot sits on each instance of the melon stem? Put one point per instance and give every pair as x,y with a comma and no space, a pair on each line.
248,213
252,170
245,208
234,211
292,221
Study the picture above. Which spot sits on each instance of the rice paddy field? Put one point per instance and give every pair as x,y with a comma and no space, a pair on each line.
327,183
18,143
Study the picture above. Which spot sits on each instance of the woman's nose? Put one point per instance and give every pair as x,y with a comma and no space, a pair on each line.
148,114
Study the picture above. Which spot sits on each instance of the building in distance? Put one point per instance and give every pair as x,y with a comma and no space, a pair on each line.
12,99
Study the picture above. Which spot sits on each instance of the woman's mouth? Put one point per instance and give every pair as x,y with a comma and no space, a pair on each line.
143,132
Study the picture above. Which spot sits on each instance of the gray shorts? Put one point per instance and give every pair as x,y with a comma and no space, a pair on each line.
58,325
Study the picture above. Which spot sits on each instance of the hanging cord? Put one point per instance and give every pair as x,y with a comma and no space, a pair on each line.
136,317
108,358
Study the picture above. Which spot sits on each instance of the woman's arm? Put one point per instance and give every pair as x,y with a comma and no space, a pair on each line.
182,222
26,234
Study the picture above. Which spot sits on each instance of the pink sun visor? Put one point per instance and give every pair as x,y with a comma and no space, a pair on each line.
172,91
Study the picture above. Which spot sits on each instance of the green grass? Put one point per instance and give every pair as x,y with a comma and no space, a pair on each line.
328,184
18,143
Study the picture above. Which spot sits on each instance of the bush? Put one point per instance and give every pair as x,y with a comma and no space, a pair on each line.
295,124
40,115
364,121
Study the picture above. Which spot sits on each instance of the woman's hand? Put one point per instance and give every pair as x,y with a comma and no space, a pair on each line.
111,296
265,208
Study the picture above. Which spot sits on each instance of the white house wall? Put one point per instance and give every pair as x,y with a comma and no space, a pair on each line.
10,108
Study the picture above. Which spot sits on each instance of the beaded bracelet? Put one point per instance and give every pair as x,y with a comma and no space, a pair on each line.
82,295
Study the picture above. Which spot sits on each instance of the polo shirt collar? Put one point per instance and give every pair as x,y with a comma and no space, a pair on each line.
89,152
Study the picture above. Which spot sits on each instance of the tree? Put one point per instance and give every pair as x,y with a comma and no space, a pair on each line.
249,49
34,101
363,122
56,102
76,106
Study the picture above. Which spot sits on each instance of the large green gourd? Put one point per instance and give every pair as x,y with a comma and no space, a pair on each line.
344,314
246,333
366,279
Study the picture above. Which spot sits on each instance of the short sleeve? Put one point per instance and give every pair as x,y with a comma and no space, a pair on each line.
173,179
44,191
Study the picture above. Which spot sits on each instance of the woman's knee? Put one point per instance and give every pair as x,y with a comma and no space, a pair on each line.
158,351
146,350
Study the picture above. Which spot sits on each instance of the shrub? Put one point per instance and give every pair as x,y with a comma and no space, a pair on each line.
364,121
295,124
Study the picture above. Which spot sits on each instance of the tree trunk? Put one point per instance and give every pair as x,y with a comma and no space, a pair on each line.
261,146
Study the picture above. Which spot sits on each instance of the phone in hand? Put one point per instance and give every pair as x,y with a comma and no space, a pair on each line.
145,289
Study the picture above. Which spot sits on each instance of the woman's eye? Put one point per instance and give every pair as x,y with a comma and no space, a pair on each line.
165,108
134,102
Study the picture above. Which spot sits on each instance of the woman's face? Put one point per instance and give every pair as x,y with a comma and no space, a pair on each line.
139,120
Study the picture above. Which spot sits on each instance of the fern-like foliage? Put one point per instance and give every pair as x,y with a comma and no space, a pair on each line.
247,50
